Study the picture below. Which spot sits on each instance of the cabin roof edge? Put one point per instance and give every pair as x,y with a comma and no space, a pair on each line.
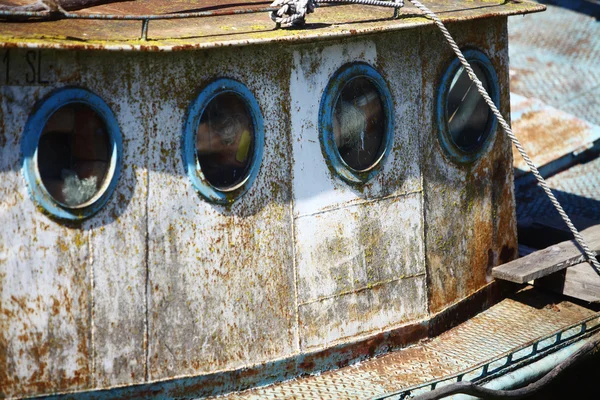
56,35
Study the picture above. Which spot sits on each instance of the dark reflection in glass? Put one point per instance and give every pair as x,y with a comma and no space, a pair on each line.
73,155
468,115
359,124
225,141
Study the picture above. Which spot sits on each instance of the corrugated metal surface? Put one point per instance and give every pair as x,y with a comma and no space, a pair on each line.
550,136
339,21
510,325
557,61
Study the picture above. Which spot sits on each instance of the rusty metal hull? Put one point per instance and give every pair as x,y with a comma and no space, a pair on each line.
161,284
469,208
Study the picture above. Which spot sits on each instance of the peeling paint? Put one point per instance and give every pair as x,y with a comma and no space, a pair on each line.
303,268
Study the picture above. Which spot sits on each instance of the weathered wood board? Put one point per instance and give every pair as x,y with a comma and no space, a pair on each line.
579,281
549,260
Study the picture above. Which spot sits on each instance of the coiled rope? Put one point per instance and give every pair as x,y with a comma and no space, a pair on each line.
294,11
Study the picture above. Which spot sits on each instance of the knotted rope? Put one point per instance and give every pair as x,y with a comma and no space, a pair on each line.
294,12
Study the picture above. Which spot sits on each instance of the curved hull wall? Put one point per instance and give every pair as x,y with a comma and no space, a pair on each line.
161,284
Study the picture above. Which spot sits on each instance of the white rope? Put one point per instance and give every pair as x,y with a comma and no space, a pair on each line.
293,12
591,257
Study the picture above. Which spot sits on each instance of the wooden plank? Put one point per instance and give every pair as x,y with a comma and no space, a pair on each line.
548,260
579,281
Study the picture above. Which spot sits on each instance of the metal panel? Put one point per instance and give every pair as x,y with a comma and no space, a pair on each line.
45,320
360,269
316,188
355,244
118,241
221,278
469,208
102,258
358,246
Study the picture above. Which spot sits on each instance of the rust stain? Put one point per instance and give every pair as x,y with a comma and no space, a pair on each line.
469,208
23,341
548,133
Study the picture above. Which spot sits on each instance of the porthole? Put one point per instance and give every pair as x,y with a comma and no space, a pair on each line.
466,124
223,141
71,153
356,123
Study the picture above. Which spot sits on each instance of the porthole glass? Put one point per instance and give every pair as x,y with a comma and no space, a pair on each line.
356,122
72,152
359,124
466,122
467,113
223,141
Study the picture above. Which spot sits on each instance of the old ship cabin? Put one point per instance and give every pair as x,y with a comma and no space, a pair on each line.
194,203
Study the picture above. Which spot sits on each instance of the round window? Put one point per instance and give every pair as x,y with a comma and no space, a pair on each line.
223,141
356,122
466,122
359,124
72,150
73,155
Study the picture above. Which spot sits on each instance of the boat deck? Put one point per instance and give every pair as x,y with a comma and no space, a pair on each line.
224,24
557,62
555,75
473,350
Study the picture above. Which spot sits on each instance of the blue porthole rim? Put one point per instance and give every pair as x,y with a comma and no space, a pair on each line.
190,128
332,92
456,154
34,127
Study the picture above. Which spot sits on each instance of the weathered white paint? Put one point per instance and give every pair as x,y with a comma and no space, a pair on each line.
161,283
354,247
44,277
118,232
221,279
360,269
